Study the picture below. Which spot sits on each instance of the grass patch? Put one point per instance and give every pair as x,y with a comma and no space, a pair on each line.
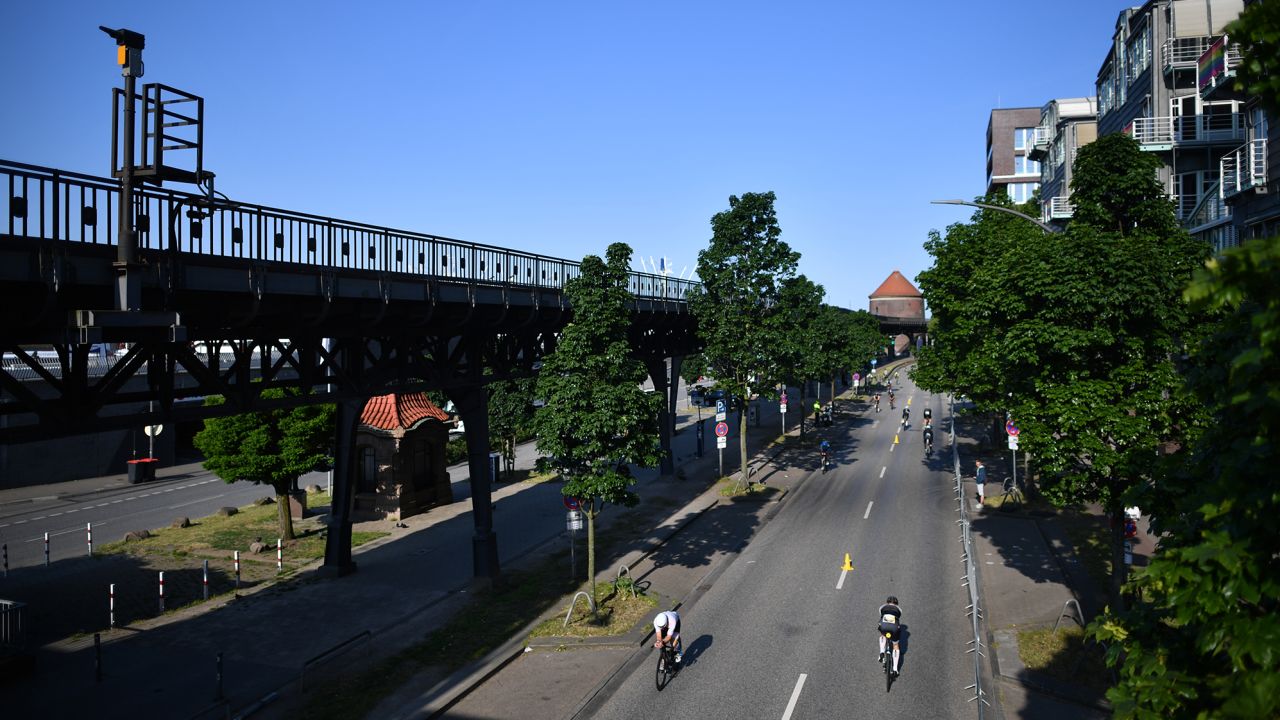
617,613
1065,657
1091,540
218,534
753,491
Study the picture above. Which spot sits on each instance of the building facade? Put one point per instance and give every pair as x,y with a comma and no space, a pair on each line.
1148,87
1010,170
1247,188
1066,125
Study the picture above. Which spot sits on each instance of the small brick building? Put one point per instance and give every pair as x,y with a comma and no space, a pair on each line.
400,457
898,298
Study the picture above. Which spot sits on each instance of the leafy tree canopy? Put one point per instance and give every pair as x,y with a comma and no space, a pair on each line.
1257,30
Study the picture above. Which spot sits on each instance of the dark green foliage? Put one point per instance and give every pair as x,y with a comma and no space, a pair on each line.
596,418
1257,30
510,415
271,447
1116,189
741,314
1202,638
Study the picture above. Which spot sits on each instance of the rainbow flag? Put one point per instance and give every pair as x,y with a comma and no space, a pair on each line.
1212,63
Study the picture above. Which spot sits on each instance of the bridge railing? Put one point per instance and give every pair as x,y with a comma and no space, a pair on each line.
58,205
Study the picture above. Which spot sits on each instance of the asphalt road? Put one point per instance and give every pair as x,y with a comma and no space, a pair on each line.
784,633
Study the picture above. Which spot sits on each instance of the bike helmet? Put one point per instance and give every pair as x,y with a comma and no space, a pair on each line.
661,620
892,600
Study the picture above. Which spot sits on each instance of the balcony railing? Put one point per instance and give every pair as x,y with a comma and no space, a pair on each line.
1210,212
1183,51
1060,208
1166,132
1039,142
1244,168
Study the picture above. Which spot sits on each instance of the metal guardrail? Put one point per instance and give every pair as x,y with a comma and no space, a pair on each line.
13,625
970,576
98,365
57,205
1243,168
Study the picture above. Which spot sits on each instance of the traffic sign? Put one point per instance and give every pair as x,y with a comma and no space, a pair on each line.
1013,442
782,408
720,407
857,377
1011,429
573,520
873,362
722,429
722,442
571,503
152,430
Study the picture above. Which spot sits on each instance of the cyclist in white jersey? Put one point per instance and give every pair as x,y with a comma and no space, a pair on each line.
666,628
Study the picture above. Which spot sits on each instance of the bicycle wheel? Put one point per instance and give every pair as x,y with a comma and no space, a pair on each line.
666,668
888,666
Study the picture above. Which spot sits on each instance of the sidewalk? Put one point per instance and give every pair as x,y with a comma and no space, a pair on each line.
275,640
1030,578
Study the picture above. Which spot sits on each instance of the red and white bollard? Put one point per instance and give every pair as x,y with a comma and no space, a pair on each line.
237,556
6,559
46,549
206,580
161,591
279,556
111,603
88,536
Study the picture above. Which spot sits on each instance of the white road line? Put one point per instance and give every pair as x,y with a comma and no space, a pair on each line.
113,502
867,514
840,582
886,467
795,695
891,447
193,502
103,504
18,522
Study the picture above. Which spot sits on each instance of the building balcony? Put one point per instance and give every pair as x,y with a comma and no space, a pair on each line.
1210,212
1060,208
1244,169
1183,52
1216,68
1039,143
1166,133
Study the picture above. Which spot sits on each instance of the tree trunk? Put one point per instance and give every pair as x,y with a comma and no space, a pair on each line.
591,550
286,518
742,442
1119,571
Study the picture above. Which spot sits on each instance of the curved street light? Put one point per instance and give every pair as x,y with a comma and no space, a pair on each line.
1043,225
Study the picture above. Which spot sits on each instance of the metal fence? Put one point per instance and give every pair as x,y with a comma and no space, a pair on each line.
57,205
13,626
970,576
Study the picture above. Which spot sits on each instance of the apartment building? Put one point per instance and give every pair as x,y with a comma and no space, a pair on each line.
1247,189
1065,125
1009,169
1148,87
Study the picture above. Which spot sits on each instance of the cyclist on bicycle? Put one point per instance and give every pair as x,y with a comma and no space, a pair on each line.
928,414
928,436
890,628
666,629
877,399
824,449
891,399
906,416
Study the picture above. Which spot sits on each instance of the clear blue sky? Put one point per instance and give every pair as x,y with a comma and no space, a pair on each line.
559,127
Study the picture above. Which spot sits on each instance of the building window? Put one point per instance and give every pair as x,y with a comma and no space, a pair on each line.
1024,166
367,471
1106,98
1022,138
1022,192
1138,54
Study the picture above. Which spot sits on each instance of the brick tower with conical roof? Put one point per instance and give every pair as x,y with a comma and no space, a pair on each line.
897,298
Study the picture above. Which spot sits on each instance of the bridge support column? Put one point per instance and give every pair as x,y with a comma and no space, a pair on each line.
337,547
668,387
473,405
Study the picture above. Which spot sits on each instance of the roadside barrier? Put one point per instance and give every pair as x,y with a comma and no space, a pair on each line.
46,549
279,556
237,556
974,608
88,537
161,592
111,605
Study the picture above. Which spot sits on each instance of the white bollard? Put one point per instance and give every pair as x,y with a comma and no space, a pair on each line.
88,534
111,603
279,556
162,591
46,549
206,579
237,556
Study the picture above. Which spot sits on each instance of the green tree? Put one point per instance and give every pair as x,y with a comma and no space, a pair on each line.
269,447
1257,30
510,415
1074,333
796,352
740,317
1201,638
597,419
862,339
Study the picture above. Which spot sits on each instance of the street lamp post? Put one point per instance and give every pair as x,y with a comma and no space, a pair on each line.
985,206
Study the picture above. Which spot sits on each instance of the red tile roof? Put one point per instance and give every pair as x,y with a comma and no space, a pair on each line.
896,286
395,411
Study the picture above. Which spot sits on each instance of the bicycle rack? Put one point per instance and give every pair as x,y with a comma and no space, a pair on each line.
624,570
590,606
1079,614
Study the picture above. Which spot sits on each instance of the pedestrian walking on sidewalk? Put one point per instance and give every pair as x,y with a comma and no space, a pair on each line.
980,479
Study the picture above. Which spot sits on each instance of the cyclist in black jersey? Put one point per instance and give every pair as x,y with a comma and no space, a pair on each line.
890,628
